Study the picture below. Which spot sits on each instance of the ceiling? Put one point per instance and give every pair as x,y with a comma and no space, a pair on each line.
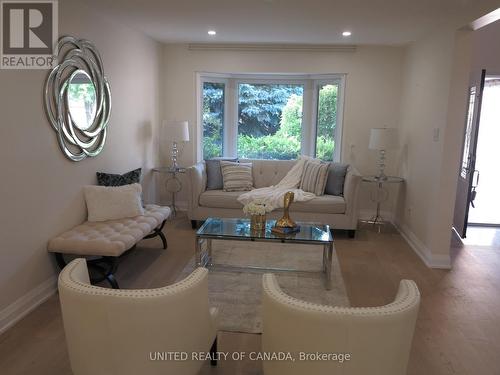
392,22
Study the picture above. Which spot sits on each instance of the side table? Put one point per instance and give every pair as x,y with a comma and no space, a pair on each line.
172,184
381,194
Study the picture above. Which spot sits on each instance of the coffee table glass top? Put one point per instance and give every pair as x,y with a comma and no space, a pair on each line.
240,229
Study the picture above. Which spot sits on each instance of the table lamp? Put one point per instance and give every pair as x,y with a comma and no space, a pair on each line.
178,132
383,139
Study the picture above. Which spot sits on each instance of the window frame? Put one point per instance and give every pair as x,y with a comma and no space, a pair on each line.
199,132
311,84
317,83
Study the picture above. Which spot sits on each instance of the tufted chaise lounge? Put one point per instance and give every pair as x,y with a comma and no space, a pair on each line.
107,240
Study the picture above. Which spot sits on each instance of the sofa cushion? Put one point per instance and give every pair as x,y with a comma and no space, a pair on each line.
326,204
214,172
336,179
314,177
269,172
221,199
237,176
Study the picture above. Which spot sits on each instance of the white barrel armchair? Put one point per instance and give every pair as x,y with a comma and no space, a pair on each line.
377,339
130,332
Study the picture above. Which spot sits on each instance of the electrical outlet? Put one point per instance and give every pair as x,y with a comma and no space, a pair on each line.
436,134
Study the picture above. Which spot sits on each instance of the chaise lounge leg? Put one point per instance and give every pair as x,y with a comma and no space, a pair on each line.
163,239
109,272
194,224
106,266
60,260
213,353
112,281
158,232
351,233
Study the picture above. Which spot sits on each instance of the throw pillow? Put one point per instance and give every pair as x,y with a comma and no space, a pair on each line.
314,177
237,176
113,202
336,179
214,173
110,179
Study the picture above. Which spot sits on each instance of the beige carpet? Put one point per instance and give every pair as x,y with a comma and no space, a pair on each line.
237,295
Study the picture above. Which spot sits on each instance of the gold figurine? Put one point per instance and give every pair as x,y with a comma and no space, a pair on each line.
286,221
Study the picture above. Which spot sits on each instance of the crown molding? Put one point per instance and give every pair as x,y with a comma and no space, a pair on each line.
262,47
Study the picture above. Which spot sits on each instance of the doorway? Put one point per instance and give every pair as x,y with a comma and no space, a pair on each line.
485,203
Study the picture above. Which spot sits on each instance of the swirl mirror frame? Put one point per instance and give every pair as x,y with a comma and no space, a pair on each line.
76,140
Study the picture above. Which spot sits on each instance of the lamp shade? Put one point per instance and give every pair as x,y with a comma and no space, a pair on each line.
383,139
178,130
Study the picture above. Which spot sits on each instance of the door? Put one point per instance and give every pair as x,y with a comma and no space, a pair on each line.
468,162
485,210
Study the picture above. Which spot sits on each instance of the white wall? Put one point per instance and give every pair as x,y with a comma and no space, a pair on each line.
486,54
373,87
434,96
41,190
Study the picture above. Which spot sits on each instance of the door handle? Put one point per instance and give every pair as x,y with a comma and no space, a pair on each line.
474,185
475,174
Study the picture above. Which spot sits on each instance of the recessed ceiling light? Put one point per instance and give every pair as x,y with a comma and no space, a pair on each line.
212,32
346,33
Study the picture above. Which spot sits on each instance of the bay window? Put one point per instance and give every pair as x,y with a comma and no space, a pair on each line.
270,117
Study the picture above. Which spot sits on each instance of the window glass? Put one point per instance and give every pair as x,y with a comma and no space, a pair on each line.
326,121
213,119
263,117
269,120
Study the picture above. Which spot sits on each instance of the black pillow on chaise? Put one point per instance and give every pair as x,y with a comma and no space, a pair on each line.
110,179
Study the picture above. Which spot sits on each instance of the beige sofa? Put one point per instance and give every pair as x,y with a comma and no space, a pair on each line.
340,212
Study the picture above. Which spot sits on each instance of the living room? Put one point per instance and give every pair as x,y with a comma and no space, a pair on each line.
182,77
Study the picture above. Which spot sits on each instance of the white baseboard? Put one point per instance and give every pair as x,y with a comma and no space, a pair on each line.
27,303
442,261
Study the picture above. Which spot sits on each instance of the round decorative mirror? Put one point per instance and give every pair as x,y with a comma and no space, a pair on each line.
77,99
82,101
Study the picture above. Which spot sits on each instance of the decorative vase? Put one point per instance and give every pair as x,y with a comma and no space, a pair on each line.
286,221
257,222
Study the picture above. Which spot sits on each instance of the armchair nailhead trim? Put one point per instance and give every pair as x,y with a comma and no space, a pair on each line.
408,296
67,280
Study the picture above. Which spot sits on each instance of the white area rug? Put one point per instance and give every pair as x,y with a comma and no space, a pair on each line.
237,295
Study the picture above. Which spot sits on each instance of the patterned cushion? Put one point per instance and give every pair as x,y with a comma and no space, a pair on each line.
237,176
314,177
214,173
109,179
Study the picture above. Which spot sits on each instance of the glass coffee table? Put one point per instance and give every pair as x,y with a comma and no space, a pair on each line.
239,230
